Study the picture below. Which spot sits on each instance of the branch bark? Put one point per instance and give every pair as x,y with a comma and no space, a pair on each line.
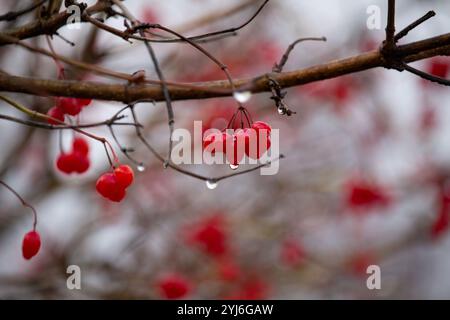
411,52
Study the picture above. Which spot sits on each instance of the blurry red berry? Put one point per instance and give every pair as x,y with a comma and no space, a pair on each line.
292,253
258,142
72,162
70,106
261,125
442,222
57,113
211,236
66,163
81,162
173,286
31,244
83,102
362,194
80,145
360,262
124,175
236,145
108,187
439,67
228,270
217,141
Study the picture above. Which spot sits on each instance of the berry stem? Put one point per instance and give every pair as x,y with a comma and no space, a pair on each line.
24,203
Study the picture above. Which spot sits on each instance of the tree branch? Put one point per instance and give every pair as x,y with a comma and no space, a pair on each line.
411,52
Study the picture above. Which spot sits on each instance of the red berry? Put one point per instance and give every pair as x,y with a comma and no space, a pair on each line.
66,163
439,67
69,106
364,195
72,162
81,162
173,286
442,221
217,140
360,262
109,188
31,244
261,125
255,146
124,175
84,102
57,113
228,270
211,236
236,145
80,145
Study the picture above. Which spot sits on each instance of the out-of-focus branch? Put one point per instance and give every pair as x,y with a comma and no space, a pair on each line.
49,26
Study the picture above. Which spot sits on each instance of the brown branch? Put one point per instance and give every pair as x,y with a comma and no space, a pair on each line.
390,27
411,52
49,26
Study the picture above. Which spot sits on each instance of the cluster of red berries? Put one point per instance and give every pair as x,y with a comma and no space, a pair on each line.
76,161
70,106
253,142
31,244
113,185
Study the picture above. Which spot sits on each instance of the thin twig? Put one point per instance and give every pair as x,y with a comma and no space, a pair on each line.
24,203
15,14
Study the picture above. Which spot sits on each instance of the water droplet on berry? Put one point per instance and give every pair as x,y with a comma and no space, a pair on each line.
243,96
140,167
234,166
211,184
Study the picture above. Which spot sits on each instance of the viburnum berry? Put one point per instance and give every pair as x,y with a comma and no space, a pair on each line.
70,106
228,270
31,244
359,263
258,142
236,145
442,221
57,113
210,236
65,163
124,175
174,286
73,162
76,161
109,187
83,102
261,125
439,67
80,145
215,141
361,194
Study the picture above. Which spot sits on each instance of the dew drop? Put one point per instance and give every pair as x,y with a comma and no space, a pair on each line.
242,96
234,166
211,184
140,167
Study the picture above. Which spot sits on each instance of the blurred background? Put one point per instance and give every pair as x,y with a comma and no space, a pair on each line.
364,181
